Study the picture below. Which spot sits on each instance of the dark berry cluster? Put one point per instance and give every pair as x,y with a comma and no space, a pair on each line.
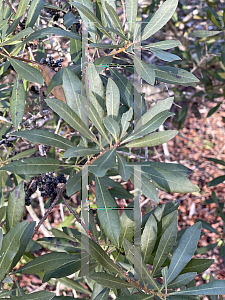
47,185
22,24
55,14
6,142
49,61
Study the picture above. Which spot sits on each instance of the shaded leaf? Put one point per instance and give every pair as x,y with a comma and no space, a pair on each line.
182,280
17,102
80,151
123,168
26,71
166,243
114,17
198,265
107,212
125,121
15,207
127,226
34,11
216,181
131,11
23,154
112,126
74,183
109,280
72,284
163,45
205,33
206,225
148,238
16,38
103,163
144,70
165,55
103,295
45,137
184,251
65,112
58,244
212,110
43,295
211,288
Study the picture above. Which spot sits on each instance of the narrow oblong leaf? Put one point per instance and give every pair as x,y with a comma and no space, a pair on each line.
112,99
212,288
131,11
160,18
198,265
45,137
153,139
133,255
205,33
166,56
182,280
72,284
148,238
65,112
16,38
125,122
17,102
103,163
58,244
163,45
26,71
144,70
107,214
34,11
10,246
74,183
109,280
114,17
43,295
15,207
123,168
184,251
80,151
33,165
112,126
166,243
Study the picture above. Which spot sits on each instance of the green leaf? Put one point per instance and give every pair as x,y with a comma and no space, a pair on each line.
169,181
123,168
74,183
80,151
107,212
211,288
65,112
144,70
198,265
134,257
153,111
26,71
204,249
125,121
103,163
205,33
182,280
52,265
174,75
43,295
45,137
15,207
148,238
53,30
72,89
149,127
19,13
182,170
34,11
213,110
94,115
75,51
10,247
112,126
58,244
95,89
153,139
127,226
206,225
23,154
112,99
163,45
109,280
103,295
16,38
135,296
149,190
114,17
131,11
166,243
216,161
216,181
164,55
212,15
72,284
17,102
184,251
33,165
160,18
90,17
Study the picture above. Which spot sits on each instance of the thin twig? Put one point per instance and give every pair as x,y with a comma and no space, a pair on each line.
124,12
79,220
131,154
10,6
36,219
59,194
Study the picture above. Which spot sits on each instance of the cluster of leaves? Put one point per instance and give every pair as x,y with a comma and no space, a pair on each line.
109,116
